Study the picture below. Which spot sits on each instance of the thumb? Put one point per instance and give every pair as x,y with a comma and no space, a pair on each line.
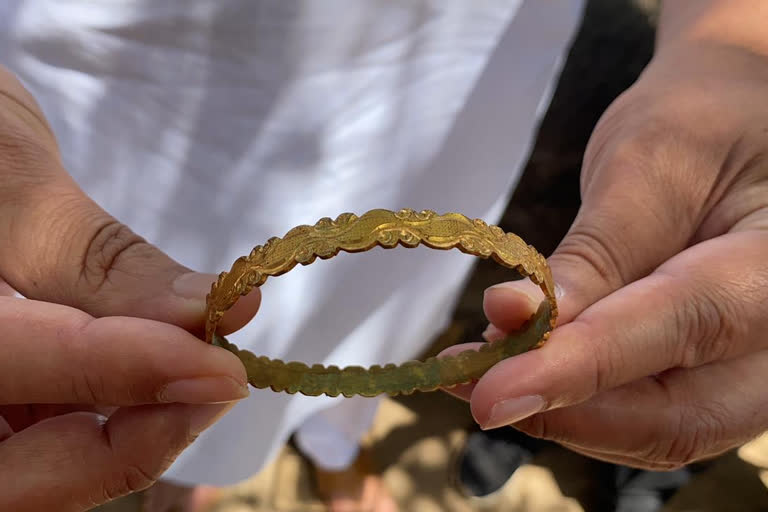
58,245
89,260
628,224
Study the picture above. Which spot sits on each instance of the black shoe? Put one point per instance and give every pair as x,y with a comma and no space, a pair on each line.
646,491
491,457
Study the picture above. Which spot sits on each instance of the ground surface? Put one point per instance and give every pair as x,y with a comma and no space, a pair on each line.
417,438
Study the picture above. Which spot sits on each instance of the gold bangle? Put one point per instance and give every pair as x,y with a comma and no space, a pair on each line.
387,229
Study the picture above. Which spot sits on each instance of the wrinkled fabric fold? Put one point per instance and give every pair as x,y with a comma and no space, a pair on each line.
209,126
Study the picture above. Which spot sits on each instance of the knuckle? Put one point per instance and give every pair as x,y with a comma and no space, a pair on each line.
131,479
586,244
19,148
139,392
627,148
707,329
97,382
86,382
612,129
629,154
608,365
645,157
103,252
603,360
26,162
697,433
27,145
23,127
137,478
89,389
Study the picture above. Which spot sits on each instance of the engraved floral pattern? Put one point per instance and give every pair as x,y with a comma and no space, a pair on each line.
387,229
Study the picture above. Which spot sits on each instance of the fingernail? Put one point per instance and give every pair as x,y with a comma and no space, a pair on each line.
493,333
193,285
206,415
559,291
531,292
512,410
204,390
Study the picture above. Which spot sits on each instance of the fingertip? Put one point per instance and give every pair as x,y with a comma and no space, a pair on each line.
514,377
228,364
508,305
461,391
454,350
193,287
493,333
241,313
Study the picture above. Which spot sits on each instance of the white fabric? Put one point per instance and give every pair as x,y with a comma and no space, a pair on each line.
331,437
209,126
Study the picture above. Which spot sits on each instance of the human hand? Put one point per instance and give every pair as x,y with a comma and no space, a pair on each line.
101,383
660,357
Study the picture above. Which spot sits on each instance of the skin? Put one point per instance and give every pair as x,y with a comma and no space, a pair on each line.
660,355
102,383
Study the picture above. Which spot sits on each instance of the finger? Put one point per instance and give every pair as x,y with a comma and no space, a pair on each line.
462,391
57,354
60,246
676,418
80,460
519,312
697,308
508,305
493,333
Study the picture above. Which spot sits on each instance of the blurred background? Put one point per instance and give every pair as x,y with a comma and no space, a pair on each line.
427,446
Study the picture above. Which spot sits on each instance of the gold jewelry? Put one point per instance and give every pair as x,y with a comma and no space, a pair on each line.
350,233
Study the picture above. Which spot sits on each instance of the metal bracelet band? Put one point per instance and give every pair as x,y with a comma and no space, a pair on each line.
387,229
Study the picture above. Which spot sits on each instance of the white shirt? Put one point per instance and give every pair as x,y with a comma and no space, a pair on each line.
210,126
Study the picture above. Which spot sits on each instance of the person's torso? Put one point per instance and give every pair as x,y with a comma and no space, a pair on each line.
293,106
209,126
